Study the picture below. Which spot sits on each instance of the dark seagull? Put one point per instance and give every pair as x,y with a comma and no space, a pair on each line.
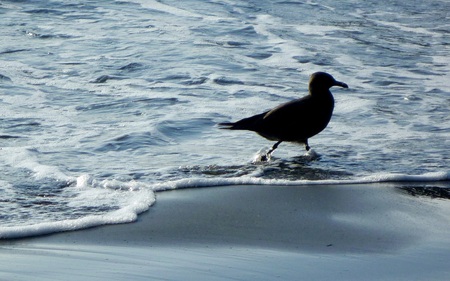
297,120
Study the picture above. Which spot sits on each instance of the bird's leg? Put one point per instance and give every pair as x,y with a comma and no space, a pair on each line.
307,147
269,153
273,148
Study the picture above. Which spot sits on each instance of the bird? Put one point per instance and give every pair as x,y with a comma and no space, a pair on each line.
297,120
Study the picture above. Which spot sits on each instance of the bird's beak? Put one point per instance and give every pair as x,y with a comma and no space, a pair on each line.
340,84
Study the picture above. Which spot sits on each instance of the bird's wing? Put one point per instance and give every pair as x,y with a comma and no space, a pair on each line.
293,110
290,121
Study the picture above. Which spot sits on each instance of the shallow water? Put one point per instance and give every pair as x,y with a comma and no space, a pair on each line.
104,103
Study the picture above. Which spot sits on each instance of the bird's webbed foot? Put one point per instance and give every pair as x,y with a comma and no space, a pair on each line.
266,157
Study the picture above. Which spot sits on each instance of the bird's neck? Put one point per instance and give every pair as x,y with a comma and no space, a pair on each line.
318,91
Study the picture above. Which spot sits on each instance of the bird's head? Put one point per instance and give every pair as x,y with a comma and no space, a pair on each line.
323,81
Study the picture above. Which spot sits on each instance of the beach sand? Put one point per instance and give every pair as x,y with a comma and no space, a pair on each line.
311,232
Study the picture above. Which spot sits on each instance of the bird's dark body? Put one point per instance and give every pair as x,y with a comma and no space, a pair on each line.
297,120
287,123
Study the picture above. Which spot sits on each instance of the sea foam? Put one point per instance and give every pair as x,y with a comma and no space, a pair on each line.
376,178
116,201
140,197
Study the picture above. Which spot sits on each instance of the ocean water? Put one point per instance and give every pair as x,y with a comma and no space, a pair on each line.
106,103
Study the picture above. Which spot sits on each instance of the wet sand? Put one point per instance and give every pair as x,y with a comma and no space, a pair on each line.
317,232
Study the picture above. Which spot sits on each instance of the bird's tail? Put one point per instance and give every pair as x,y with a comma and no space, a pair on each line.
227,126
250,123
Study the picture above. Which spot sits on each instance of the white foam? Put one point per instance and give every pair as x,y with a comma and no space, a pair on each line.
309,2
315,29
402,27
156,5
288,49
394,177
26,159
134,200
376,178
124,215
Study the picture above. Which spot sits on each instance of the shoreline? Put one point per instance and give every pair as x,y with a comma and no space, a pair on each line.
253,233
